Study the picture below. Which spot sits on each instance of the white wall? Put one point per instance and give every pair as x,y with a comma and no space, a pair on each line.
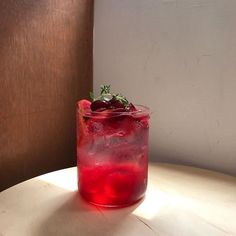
179,58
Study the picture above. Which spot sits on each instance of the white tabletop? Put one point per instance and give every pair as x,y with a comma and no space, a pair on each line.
179,201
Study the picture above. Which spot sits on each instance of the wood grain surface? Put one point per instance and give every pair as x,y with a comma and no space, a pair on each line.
45,67
180,201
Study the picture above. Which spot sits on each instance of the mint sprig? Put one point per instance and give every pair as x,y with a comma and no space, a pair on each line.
106,95
91,94
121,98
105,89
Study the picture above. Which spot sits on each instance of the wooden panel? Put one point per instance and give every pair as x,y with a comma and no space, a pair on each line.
45,67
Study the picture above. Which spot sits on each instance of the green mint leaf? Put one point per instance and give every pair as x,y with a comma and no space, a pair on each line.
105,89
91,94
121,98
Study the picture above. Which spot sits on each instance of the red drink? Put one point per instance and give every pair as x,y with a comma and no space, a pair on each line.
112,149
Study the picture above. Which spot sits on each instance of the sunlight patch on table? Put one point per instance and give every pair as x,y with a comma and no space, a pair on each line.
157,200
66,180
154,201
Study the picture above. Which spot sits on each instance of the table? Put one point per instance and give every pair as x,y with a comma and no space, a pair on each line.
180,201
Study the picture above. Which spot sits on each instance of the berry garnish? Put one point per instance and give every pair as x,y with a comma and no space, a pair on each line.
110,101
116,103
99,104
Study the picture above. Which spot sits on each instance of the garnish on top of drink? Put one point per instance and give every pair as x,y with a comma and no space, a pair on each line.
109,101
108,104
112,149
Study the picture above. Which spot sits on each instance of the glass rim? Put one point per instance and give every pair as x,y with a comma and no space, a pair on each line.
141,111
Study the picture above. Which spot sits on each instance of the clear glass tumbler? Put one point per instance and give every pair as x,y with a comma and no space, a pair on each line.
112,156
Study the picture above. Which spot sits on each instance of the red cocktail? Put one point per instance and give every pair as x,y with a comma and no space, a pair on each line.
112,149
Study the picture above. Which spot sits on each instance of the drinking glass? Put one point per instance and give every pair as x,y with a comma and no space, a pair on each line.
112,156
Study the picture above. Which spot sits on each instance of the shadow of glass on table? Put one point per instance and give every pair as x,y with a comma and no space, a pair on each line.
70,214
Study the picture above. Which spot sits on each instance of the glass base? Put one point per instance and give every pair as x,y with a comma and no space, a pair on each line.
114,205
